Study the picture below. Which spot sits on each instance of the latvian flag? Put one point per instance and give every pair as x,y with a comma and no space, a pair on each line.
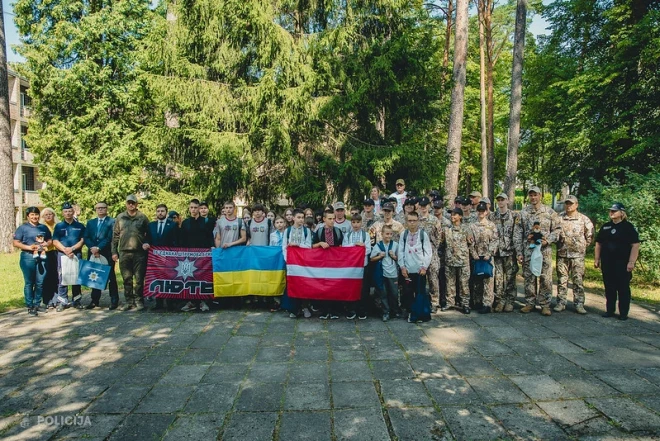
325,274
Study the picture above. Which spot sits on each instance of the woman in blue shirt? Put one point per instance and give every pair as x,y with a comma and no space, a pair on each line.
30,237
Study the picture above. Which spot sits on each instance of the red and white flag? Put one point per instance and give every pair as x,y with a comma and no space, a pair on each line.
334,273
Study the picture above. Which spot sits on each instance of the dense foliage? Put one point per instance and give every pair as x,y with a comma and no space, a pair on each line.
640,194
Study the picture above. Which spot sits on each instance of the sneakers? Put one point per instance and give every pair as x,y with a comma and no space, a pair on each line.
559,307
608,315
314,308
527,308
546,311
508,307
445,308
623,317
139,306
362,316
33,312
485,310
580,309
350,316
91,306
128,306
41,308
334,316
386,317
292,315
499,307
188,307
325,316
59,308
466,310
307,313
203,306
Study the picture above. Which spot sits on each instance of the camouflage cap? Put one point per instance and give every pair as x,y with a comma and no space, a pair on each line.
502,196
572,199
534,189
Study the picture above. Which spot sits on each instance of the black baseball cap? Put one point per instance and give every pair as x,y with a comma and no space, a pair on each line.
482,206
387,206
424,201
368,202
172,214
617,206
410,201
457,211
66,206
437,203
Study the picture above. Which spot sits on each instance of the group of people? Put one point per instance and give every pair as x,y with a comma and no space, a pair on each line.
467,254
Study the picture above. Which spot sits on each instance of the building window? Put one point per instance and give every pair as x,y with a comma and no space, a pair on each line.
24,147
28,179
26,101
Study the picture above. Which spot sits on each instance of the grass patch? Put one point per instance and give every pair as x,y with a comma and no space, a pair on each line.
11,295
641,292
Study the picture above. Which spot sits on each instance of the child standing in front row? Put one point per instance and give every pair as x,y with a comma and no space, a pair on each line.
358,237
297,235
277,236
384,254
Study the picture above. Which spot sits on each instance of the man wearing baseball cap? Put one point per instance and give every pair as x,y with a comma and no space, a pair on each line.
506,265
577,232
129,247
340,218
549,221
433,228
400,194
388,219
68,239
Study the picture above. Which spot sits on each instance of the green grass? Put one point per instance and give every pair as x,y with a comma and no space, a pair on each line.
11,295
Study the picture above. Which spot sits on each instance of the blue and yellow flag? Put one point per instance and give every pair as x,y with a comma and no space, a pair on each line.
243,271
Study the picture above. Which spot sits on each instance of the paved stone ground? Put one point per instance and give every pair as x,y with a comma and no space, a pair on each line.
238,375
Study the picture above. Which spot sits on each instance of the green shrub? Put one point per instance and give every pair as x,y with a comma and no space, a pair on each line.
641,196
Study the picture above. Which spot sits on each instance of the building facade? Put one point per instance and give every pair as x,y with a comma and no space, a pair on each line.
26,173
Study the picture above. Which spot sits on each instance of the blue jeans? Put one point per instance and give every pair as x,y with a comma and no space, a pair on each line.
34,273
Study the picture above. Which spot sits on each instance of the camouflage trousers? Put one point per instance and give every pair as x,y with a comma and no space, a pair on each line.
538,290
483,291
432,277
458,275
506,268
570,269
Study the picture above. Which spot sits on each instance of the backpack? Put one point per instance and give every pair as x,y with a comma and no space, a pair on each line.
422,234
247,229
320,238
420,310
378,269
287,235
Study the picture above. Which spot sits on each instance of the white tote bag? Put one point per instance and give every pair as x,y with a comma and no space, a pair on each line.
70,268
536,263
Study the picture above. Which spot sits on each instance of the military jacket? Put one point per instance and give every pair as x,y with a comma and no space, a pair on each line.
505,223
432,227
376,230
457,245
550,226
485,237
576,235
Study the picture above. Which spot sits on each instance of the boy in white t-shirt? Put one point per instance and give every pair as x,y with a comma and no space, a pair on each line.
358,237
385,254
297,235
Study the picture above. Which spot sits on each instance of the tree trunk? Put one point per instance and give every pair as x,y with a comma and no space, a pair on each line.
457,100
482,97
516,101
7,223
445,55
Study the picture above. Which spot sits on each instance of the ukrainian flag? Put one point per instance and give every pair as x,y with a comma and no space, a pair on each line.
242,271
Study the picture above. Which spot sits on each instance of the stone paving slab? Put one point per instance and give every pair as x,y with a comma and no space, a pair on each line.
237,375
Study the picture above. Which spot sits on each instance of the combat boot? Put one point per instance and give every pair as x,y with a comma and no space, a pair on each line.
499,307
546,311
508,307
527,308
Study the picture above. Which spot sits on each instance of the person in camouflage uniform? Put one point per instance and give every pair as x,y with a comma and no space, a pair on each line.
506,265
408,207
577,232
438,212
468,215
536,211
369,217
376,229
430,224
457,239
484,233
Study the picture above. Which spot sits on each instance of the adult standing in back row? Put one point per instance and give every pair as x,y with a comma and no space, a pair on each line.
129,247
549,222
617,250
400,195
